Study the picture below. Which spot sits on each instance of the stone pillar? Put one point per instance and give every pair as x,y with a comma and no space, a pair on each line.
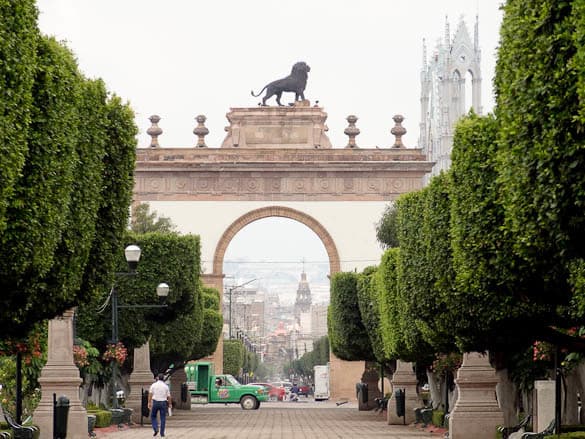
141,378
178,378
476,413
544,404
61,376
343,376
404,378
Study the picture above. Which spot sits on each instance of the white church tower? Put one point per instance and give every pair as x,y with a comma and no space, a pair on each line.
443,91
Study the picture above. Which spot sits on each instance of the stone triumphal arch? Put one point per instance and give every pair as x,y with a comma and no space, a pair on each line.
279,162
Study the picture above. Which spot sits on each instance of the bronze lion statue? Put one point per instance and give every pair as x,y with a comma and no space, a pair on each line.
295,82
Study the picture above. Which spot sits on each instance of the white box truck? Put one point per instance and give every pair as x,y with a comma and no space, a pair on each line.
321,382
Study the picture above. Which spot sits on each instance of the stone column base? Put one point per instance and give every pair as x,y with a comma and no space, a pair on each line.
60,376
404,378
476,413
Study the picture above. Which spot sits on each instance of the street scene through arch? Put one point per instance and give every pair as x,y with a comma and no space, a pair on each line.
276,294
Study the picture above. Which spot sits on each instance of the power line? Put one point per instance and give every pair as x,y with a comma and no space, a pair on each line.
294,262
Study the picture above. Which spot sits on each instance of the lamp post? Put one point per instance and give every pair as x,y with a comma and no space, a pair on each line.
132,255
230,290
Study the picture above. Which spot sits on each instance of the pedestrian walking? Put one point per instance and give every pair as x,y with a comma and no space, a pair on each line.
159,398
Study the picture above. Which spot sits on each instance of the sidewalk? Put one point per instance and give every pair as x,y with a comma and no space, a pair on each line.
286,420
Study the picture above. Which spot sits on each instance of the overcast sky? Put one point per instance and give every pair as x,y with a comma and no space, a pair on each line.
181,58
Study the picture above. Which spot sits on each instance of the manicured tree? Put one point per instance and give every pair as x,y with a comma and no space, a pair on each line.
180,271
347,334
540,95
480,249
233,357
37,211
429,300
391,308
115,197
72,252
386,231
412,272
368,301
19,37
212,325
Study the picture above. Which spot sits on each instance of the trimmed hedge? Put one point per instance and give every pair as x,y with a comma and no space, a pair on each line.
347,334
233,357
103,418
540,91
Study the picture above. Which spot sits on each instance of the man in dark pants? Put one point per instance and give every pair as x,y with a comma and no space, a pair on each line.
159,398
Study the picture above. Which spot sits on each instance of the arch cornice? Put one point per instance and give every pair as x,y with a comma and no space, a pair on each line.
276,211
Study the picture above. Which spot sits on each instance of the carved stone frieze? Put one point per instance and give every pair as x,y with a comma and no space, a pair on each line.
241,186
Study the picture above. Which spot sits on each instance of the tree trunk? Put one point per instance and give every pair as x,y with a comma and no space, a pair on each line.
506,394
434,389
573,388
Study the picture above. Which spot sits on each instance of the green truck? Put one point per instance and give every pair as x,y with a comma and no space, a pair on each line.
206,387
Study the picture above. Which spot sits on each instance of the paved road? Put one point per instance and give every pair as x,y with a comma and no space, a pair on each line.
275,420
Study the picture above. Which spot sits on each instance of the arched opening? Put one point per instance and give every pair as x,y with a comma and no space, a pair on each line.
268,289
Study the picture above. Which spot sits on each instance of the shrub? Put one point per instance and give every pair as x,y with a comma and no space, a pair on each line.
438,418
103,418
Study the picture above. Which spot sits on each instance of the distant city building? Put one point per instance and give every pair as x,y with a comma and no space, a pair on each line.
443,99
319,320
303,300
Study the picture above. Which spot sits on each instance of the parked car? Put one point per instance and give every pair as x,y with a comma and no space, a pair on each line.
274,393
305,390
286,385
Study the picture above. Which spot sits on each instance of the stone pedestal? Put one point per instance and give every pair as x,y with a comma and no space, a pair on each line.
61,376
544,404
141,378
404,378
299,126
177,379
343,376
476,413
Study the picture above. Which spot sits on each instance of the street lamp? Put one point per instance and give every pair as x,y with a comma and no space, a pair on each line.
230,289
132,255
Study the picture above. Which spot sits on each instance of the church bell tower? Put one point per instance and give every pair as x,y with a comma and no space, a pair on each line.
444,76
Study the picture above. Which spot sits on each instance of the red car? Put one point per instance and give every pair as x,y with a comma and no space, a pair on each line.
274,393
305,390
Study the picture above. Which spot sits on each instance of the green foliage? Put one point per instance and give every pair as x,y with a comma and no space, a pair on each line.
481,251
386,231
19,37
64,146
144,221
390,306
347,334
168,326
541,139
369,291
103,418
233,357
438,418
212,324
304,366
115,197
37,213
412,272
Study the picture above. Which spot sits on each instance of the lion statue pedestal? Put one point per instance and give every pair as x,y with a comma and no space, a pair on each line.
298,126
